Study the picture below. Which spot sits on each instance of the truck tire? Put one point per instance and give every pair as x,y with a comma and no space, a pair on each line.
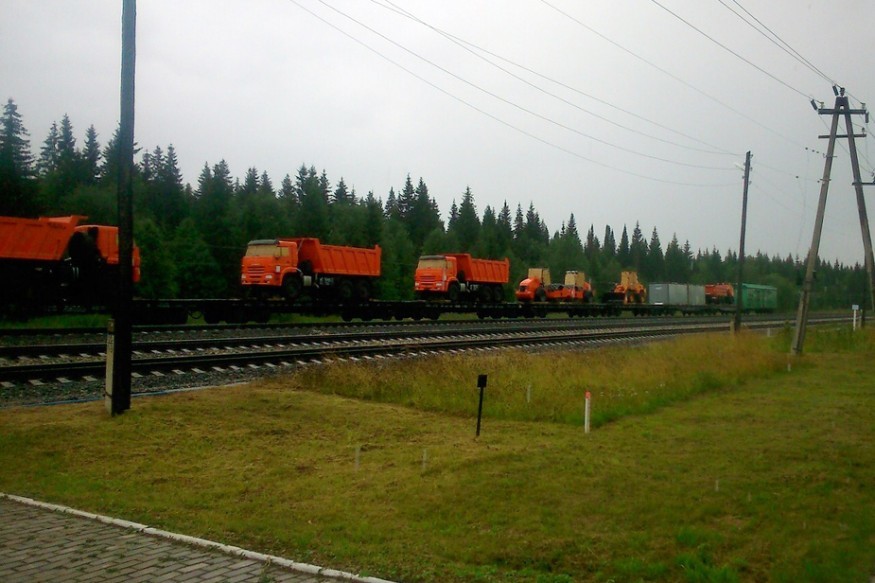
453,292
362,291
540,295
484,294
292,287
345,291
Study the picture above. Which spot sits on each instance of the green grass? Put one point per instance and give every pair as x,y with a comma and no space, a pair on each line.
711,463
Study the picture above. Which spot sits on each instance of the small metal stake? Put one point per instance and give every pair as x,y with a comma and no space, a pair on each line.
481,384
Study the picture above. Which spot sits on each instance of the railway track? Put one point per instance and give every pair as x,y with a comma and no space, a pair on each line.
162,365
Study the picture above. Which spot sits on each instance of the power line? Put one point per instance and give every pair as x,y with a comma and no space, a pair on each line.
491,116
776,40
669,74
468,46
516,105
724,47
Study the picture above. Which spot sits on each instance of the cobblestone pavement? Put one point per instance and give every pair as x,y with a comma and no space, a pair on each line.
40,544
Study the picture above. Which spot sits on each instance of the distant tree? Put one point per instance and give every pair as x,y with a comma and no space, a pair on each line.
341,194
677,268
17,186
399,263
373,224
609,243
313,215
91,157
654,268
158,267
467,228
424,216
198,275
637,248
624,253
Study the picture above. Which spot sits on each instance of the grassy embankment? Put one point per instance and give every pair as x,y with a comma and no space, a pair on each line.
708,461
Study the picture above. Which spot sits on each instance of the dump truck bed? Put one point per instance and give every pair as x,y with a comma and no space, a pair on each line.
339,260
483,270
42,239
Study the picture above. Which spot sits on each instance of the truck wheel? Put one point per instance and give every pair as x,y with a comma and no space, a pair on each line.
292,287
362,291
540,295
453,292
485,294
345,291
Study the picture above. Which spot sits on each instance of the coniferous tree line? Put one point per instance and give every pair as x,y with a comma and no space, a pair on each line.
192,237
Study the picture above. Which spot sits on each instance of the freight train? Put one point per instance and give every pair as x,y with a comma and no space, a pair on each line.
57,261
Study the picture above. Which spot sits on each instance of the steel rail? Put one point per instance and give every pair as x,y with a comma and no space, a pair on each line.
95,369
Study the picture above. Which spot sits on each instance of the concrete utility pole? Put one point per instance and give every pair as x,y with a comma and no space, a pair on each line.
841,109
739,290
121,354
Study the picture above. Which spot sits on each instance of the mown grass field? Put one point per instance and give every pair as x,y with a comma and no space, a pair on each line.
709,460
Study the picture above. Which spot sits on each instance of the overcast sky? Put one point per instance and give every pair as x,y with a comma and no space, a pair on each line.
618,112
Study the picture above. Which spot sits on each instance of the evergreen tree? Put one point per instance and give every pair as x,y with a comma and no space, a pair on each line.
373,226
624,253
313,217
676,264
505,228
49,154
467,227
391,210
424,216
341,194
592,248
17,187
637,248
406,199
91,157
609,244
655,263
215,223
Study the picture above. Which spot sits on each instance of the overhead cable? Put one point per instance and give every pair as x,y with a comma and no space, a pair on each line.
493,117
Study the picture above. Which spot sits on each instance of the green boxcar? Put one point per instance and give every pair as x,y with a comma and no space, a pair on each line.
759,298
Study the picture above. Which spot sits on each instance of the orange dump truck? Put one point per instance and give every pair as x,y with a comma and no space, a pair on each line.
292,266
719,293
456,276
55,259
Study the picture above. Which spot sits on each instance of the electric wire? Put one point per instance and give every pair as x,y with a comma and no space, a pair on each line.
493,117
473,48
516,105
776,40
670,74
732,52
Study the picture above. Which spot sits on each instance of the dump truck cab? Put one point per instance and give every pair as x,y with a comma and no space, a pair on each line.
268,261
437,274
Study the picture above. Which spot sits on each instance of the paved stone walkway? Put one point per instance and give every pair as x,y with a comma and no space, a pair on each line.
39,544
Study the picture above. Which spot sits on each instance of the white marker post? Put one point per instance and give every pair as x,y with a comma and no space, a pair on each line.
856,309
586,412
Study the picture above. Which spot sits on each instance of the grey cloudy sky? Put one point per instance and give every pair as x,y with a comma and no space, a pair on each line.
615,111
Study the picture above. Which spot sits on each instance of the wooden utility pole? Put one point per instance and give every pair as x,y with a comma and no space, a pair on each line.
841,109
739,290
121,354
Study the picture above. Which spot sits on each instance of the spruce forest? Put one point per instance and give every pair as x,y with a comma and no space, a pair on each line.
191,237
